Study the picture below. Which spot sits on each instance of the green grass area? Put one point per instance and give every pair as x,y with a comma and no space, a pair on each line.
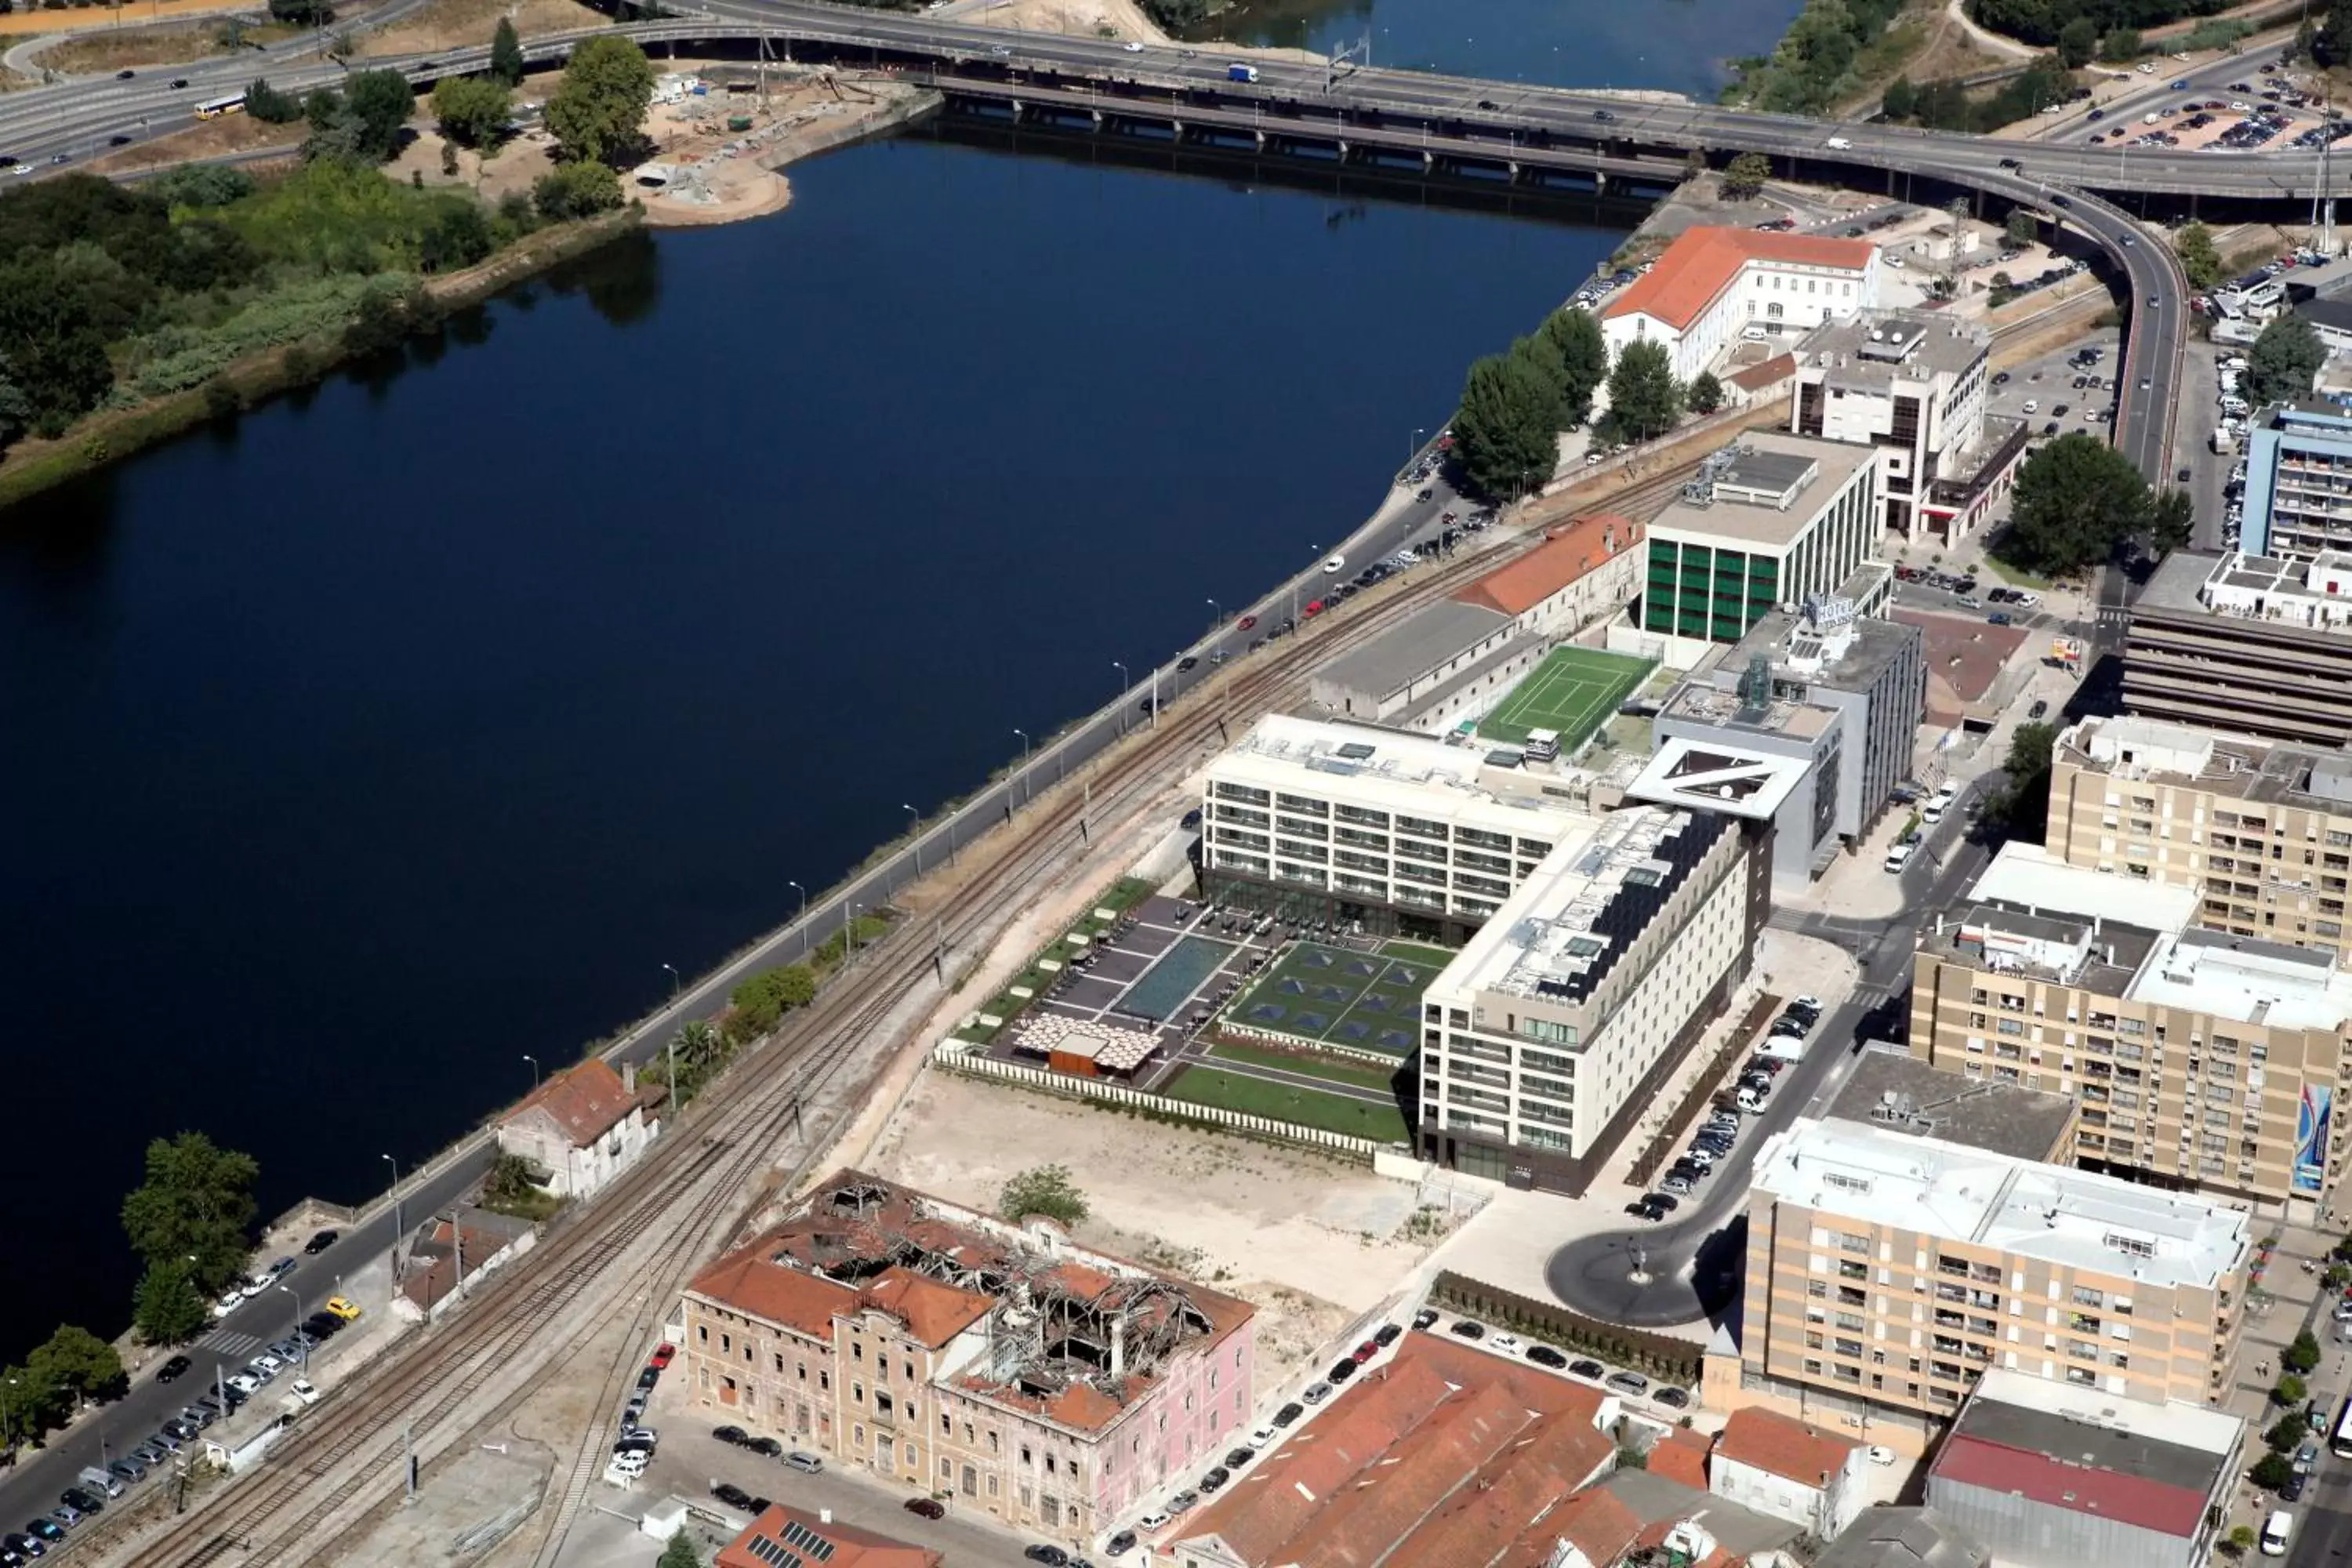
1574,691
1280,1102
1354,1074
2015,576
1333,995
1418,953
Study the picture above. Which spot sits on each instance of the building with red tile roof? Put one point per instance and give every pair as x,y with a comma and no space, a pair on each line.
1583,570
1790,1470
950,1350
581,1128
1681,1456
1712,284
784,1533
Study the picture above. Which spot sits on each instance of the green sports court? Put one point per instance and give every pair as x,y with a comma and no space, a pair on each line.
1368,1001
1574,691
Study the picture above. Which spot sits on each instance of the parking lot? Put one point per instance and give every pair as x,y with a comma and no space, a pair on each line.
2058,393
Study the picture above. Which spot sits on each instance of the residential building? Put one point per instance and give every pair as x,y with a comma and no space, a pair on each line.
1889,1536
1790,1470
1912,384
1544,1038
2254,644
1439,664
580,1128
1400,834
1047,1385
1442,1453
2262,831
2298,499
1888,1273
789,1537
1897,1092
2049,1476
1583,572
1709,286
1770,521
1840,691
2200,1060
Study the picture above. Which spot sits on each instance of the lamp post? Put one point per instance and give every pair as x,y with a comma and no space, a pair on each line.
917,818
1126,685
1216,615
1312,550
675,982
1025,764
534,1070
802,919
849,934
1418,432
399,1228
294,1334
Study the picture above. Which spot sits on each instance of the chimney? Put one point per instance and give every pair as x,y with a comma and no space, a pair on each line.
1119,1347
825,1516
629,1077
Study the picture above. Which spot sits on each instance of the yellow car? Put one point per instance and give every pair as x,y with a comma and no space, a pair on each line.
347,1311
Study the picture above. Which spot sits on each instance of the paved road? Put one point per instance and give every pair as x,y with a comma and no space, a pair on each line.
1695,1263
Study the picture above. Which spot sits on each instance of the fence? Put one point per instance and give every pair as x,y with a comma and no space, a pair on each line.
1702,1091
1244,1033
959,1057
1660,1355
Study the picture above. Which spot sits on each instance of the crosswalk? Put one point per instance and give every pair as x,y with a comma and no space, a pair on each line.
229,1341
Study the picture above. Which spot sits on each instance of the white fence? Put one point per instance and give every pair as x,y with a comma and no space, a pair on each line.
962,1056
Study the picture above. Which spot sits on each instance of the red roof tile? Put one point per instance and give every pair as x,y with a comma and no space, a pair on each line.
1702,262
1783,1445
852,1547
747,1281
934,1313
583,1101
1519,585
1681,1456
2110,1494
1517,1490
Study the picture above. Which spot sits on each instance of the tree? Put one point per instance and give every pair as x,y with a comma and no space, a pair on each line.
2272,1471
2075,499
506,55
167,1309
1582,361
2331,46
472,110
2078,41
1644,398
763,999
2023,228
52,342
196,1202
2302,1355
595,110
79,1364
1046,1189
2199,259
2285,1435
2284,360
1508,429
1705,394
1902,100
1745,176
268,105
380,101
510,1182
309,13
2171,522
2120,45
2239,1541
576,189
2290,1391
679,1553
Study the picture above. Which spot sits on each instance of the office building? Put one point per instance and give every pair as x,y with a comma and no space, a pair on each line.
2200,1059
2262,831
1545,1037
1712,284
1912,384
2254,643
1888,1273
2298,480
2049,1475
948,1351
1768,521
1401,835
1842,694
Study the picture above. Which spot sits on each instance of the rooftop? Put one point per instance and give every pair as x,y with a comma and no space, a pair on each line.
1705,260
1701,775
1897,1092
2264,773
785,1537
1393,770
1421,642
1570,554
2068,1218
1764,489
2024,876
1783,1445
1827,644
1870,351
1715,705
1657,1501
2270,983
1558,936
584,1100
1886,1536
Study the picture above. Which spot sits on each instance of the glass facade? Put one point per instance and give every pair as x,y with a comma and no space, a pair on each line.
1717,593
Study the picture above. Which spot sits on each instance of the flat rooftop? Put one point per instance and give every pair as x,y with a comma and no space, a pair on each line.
2009,1401
1896,1092
2025,875
2177,583
1826,645
2262,772
2052,1212
1872,348
1701,775
1421,642
1396,770
2248,979
1762,463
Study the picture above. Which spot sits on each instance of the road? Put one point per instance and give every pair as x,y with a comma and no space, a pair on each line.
1695,1263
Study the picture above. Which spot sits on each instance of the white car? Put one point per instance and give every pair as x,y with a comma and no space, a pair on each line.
1334,566
1504,1341
269,1363
303,1389
1133,48
229,1303
1265,1438
244,1383
249,1289
1152,1521
1878,1455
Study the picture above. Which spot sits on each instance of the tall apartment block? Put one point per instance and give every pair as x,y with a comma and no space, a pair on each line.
1552,1028
2299,481
2200,1060
1891,1271
2260,830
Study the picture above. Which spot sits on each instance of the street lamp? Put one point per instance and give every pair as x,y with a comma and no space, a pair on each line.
1418,432
674,981
1216,615
399,1228
917,817
1024,763
849,934
1126,685
294,1337
534,1070
802,920
1312,550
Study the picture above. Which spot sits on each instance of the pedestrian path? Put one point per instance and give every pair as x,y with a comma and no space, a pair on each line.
229,1341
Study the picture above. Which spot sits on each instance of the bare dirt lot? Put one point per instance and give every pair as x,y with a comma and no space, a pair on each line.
101,54
454,24
1311,1242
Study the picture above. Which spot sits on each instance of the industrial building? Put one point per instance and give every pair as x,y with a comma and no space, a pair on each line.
2254,643
1543,1038
1715,285
2047,1475
952,1353
2200,1060
2260,830
1887,1272
1448,659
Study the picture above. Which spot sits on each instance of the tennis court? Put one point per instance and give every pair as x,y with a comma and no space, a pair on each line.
1574,691
1335,995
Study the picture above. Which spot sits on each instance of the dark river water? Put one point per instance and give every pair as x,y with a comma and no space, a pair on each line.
403,729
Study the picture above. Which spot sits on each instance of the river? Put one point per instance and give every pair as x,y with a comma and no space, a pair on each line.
406,728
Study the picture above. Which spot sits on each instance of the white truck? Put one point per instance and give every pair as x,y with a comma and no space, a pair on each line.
2223,442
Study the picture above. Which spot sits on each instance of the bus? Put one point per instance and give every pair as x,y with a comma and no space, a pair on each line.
214,108
2342,1441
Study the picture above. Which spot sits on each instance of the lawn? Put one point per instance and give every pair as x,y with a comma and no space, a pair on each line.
1574,691
1207,1086
1336,997
2015,576
1354,1074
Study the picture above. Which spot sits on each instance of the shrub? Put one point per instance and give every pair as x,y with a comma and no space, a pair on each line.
576,191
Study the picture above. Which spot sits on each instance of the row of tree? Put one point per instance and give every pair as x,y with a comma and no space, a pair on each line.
1947,104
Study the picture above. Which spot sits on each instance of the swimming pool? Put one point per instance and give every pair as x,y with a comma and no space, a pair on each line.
1164,986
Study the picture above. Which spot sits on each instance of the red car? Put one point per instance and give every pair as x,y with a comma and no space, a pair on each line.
1314,607
1366,1352
1245,623
663,1354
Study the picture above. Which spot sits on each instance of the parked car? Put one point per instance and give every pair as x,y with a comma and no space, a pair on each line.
1672,1398
1122,1543
172,1369
1387,1335
1316,1392
1424,1318
341,1307
731,1494
1467,1328
1627,1383
1544,1355
1289,1413
926,1507
320,1242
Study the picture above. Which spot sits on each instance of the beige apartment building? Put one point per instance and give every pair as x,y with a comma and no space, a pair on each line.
2200,1059
2261,829
1891,1270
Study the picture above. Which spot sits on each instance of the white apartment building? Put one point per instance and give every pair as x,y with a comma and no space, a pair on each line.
1555,1023
1712,283
1394,832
